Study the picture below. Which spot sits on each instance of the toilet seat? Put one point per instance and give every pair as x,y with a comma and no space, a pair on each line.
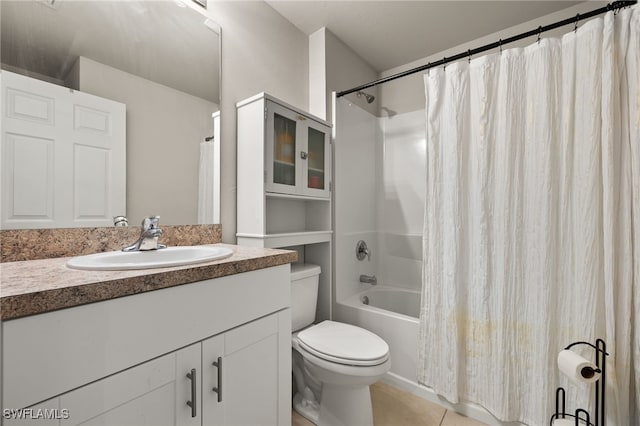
343,344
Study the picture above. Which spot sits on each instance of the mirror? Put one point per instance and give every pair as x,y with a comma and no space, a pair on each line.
161,59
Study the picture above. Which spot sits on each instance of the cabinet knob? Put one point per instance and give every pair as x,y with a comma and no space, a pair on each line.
303,155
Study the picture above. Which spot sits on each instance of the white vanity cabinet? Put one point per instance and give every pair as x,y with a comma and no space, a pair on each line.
125,361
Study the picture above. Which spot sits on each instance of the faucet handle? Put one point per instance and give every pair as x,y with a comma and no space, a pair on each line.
362,251
150,222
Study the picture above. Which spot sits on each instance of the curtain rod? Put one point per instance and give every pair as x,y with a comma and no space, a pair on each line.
498,44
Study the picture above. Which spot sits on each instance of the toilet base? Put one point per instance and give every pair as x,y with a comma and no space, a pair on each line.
308,409
341,406
345,406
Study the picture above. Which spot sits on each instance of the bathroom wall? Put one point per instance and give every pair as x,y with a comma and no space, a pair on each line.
407,94
345,69
261,51
154,113
333,66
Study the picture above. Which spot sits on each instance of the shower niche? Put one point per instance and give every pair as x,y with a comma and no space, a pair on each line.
284,186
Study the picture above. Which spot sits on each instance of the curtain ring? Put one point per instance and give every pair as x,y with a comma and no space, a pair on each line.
500,45
575,27
444,63
469,53
429,68
539,33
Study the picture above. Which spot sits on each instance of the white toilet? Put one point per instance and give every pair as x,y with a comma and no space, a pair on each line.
333,363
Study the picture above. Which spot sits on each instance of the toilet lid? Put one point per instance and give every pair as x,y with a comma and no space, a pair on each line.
344,344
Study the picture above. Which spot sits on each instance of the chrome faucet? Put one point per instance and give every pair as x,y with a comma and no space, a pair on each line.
148,237
369,279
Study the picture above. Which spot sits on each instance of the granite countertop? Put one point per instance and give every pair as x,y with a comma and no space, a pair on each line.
38,286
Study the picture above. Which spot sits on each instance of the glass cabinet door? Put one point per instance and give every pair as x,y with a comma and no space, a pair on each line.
297,153
316,152
284,149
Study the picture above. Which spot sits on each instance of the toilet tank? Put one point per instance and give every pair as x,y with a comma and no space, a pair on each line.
304,294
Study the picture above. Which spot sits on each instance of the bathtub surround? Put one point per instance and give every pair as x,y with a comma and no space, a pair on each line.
380,164
530,222
31,244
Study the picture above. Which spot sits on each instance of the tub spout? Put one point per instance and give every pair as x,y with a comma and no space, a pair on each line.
369,279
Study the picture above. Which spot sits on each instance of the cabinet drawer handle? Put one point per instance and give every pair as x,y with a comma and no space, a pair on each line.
192,376
218,389
303,155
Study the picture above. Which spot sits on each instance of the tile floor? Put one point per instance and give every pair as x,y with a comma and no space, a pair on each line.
395,407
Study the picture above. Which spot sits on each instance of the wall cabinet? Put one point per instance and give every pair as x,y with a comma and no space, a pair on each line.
297,153
284,185
236,369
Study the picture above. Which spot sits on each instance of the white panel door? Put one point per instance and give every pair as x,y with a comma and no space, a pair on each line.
63,156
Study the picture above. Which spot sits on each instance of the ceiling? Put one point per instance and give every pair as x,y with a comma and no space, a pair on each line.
387,34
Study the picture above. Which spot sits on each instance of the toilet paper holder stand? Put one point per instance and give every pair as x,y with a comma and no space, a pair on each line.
581,416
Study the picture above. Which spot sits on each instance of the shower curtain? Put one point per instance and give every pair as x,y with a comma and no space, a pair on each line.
205,183
532,222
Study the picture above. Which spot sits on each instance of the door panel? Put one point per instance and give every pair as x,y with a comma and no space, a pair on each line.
66,184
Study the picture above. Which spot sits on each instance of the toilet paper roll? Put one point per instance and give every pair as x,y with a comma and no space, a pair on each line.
577,368
564,422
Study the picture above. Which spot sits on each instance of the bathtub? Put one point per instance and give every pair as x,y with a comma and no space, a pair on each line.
392,313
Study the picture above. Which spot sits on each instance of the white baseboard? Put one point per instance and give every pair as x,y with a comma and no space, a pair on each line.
468,409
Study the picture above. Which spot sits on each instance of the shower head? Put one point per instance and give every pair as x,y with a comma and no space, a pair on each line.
368,97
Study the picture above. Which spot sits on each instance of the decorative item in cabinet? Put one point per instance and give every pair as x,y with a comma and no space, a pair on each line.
316,158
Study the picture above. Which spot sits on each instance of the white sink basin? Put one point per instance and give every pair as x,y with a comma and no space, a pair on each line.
170,256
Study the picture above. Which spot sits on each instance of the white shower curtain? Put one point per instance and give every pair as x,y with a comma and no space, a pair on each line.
532,222
205,184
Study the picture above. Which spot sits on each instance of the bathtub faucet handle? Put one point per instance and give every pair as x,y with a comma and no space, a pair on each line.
362,250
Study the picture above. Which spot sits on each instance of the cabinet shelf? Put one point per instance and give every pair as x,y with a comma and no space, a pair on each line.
287,239
295,197
284,163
